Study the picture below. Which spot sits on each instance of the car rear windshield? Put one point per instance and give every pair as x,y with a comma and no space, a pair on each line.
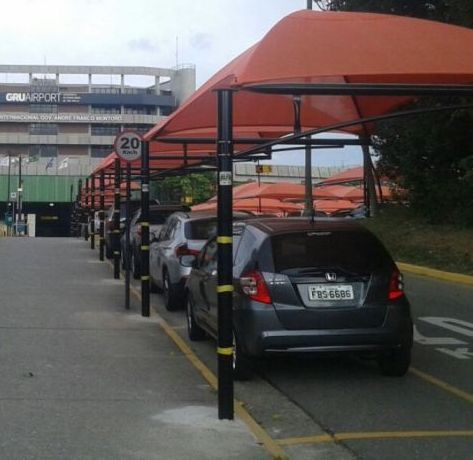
159,217
200,229
352,250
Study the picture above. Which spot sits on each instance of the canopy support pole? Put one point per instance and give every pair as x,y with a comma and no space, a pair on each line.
102,216
225,254
115,240
145,310
92,213
87,211
371,203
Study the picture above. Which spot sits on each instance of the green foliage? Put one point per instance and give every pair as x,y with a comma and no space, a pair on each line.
199,187
432,154
458,12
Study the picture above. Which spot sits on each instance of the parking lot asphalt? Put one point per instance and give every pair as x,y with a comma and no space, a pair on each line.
327,408
83,378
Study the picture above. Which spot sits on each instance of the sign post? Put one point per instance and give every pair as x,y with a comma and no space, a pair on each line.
128,146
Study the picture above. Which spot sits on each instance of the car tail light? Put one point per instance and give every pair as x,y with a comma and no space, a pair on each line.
396,285
253,285
185,251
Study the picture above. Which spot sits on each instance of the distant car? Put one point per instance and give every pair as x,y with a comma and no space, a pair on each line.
184,233
109,224
158,213
302,287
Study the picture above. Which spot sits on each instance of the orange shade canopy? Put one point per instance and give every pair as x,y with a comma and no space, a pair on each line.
329,47
260,205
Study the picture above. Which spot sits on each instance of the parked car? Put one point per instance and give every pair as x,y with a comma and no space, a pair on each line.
184,233
158,213
109,224
300,287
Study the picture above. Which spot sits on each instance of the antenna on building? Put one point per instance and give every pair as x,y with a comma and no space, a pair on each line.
177,51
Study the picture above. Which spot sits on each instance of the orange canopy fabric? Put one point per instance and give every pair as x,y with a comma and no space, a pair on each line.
258,205
350,175
286,191
330,47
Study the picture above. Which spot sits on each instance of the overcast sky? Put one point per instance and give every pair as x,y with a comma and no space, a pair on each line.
207,33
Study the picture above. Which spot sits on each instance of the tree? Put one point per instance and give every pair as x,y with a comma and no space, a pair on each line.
196,188
433,157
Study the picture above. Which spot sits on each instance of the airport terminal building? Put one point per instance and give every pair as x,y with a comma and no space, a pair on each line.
74,112
58,122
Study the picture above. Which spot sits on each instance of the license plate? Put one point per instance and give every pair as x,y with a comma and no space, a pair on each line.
331,292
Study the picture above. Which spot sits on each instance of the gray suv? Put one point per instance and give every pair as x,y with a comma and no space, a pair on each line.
303,287
184,233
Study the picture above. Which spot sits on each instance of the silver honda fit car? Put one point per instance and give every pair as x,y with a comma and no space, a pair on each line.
303,287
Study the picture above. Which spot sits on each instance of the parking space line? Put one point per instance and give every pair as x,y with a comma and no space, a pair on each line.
360,436
443,385
258,431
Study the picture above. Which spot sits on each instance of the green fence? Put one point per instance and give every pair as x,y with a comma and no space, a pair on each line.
41,189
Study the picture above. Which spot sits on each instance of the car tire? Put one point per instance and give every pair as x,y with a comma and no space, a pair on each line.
395,363
194,331
241,362
152,286
171,297
135,266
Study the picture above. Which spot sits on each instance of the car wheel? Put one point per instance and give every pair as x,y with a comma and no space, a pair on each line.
395,363
171,297
135,266
241,362
194,331
152,286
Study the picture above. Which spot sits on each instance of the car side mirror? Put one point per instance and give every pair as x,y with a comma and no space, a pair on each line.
188,261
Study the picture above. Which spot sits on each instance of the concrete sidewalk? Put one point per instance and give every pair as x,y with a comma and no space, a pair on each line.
82,378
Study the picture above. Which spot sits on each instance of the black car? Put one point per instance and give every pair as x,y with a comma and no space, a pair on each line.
303,287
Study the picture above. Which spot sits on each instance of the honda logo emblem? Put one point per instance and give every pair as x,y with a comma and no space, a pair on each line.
330,276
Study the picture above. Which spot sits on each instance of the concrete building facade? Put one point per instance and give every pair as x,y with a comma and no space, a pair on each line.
71,114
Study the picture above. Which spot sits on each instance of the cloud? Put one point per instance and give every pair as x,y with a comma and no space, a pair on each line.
201,41
142,44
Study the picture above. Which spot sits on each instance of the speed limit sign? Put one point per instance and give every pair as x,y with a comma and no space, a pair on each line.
128,145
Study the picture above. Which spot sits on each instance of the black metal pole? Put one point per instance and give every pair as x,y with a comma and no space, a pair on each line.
145,311
93,230
126,256
115,240
102,215
9,175
87,211
225,258
20,191
79,211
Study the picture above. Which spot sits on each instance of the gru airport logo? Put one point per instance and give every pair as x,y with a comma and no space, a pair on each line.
33,97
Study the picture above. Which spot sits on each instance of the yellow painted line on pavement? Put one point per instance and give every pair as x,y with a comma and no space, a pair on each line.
437,274
443,385
361,436
258,431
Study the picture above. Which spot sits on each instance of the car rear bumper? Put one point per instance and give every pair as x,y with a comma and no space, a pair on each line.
260,333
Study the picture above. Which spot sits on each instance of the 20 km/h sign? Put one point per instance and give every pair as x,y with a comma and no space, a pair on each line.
128,145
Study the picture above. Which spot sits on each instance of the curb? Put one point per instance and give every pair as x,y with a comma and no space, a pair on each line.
437,274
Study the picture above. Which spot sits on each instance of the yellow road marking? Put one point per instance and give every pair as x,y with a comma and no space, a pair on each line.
318,439
258,431
443,385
